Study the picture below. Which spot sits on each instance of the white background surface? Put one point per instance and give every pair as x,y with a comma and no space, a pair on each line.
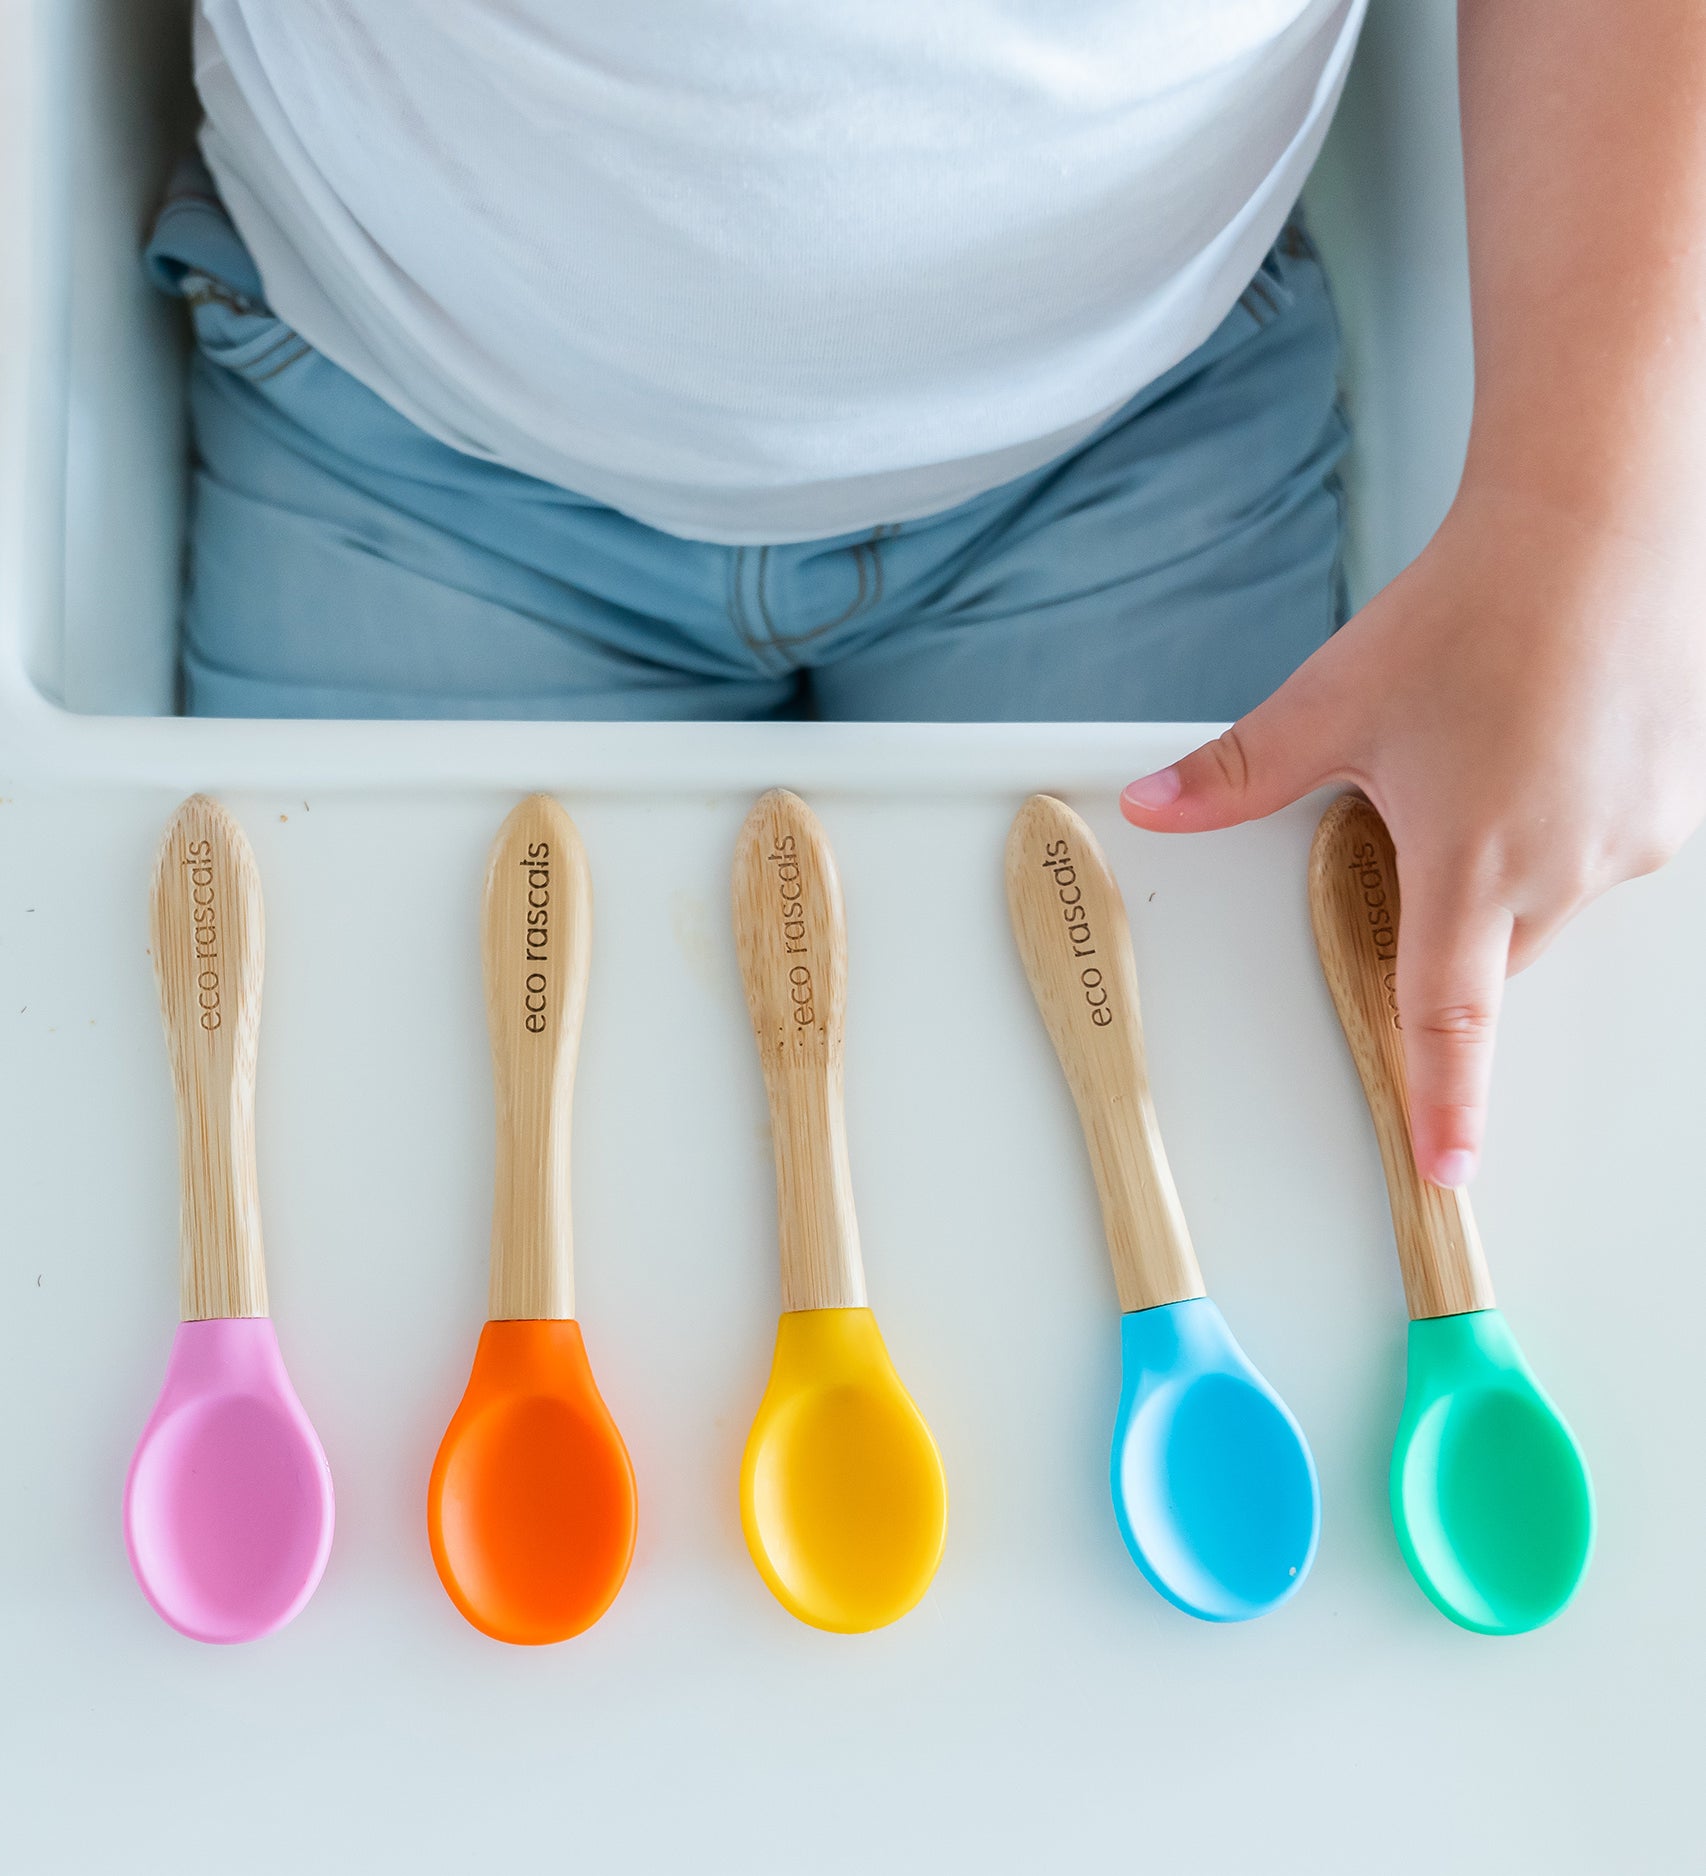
1042,1710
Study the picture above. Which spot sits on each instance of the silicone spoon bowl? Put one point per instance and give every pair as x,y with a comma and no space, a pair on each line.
1213,1484
1490,1494
228,1502
1491,1499
531,1504
531,1507
842,1495
841,1492
1214,1487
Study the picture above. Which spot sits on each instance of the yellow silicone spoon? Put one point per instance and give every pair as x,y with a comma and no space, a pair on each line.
842,1496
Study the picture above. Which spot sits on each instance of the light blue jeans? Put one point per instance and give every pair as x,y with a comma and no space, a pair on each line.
1176,565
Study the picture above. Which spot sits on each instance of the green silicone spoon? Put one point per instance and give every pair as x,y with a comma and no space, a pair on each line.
1490,1493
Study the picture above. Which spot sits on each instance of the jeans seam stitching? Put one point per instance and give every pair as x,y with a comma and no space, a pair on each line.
867,556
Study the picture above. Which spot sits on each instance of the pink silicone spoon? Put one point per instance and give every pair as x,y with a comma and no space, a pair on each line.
228,1505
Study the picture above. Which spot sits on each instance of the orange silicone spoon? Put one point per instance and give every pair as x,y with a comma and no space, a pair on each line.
531,1507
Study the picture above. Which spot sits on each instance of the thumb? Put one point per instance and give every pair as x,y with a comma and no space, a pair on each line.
1281,750
1453,951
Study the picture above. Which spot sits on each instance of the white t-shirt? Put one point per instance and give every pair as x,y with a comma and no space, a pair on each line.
763,270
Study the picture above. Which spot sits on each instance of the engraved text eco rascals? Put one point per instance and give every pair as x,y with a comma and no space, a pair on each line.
536,936
1058,862
204,925
790,891
1371,878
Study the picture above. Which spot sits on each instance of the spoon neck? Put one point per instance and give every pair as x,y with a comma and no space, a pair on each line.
1163,1339
1444,1351
1439,1246
817,1227
531,1355
532,1269
818,1345
1149,1243
226,1355
221,1267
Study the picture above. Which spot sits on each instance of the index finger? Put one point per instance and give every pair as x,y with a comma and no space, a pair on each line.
1453,953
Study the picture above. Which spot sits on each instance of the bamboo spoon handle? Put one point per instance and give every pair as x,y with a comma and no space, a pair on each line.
1353,904
208,940
1070,922
791,934
536,936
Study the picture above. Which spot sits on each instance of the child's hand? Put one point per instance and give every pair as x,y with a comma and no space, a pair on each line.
1526,706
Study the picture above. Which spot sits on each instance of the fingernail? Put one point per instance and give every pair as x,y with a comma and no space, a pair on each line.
1454,1169
1150,792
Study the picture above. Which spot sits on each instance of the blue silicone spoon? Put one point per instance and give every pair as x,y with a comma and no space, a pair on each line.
1213,1483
